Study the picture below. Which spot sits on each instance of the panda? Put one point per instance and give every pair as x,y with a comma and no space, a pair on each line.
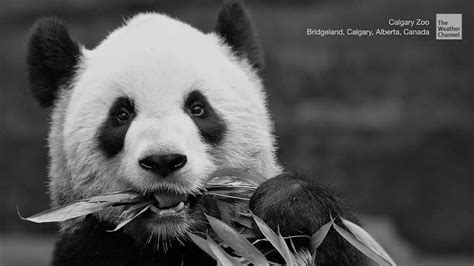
156,108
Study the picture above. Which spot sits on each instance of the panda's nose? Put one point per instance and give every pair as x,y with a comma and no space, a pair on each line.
163,164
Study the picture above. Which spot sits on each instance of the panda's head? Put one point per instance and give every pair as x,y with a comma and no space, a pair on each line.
156,108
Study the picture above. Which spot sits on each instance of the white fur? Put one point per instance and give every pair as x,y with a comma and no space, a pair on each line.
156,61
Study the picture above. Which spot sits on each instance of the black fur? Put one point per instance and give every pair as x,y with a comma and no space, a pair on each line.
297,205
52,59
211,126
236,29
91,244
111,135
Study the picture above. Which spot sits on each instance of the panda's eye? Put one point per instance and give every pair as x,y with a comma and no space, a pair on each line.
197,109
123,115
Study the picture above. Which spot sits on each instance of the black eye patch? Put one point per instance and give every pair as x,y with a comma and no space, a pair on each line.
111,135
211,126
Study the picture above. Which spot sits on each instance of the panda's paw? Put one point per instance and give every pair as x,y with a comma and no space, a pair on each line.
294,204
298,206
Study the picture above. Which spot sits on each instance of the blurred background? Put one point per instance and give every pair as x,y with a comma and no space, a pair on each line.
388,122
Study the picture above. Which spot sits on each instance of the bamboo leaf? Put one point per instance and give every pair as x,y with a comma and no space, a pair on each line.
67,212
242,220
318,237
228,196
238,243
214,250
203,244
360,246
364,237
238,174
126,221
223,259
82,207
225,210
134,208
271,236
289,258
115,197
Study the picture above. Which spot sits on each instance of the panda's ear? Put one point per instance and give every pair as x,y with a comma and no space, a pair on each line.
52,59
236,29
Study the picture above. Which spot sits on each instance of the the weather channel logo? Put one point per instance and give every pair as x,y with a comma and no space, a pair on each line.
448,26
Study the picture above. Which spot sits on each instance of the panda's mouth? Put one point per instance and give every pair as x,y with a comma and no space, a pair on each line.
167,203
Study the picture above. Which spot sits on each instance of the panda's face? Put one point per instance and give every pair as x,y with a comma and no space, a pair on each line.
156,108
